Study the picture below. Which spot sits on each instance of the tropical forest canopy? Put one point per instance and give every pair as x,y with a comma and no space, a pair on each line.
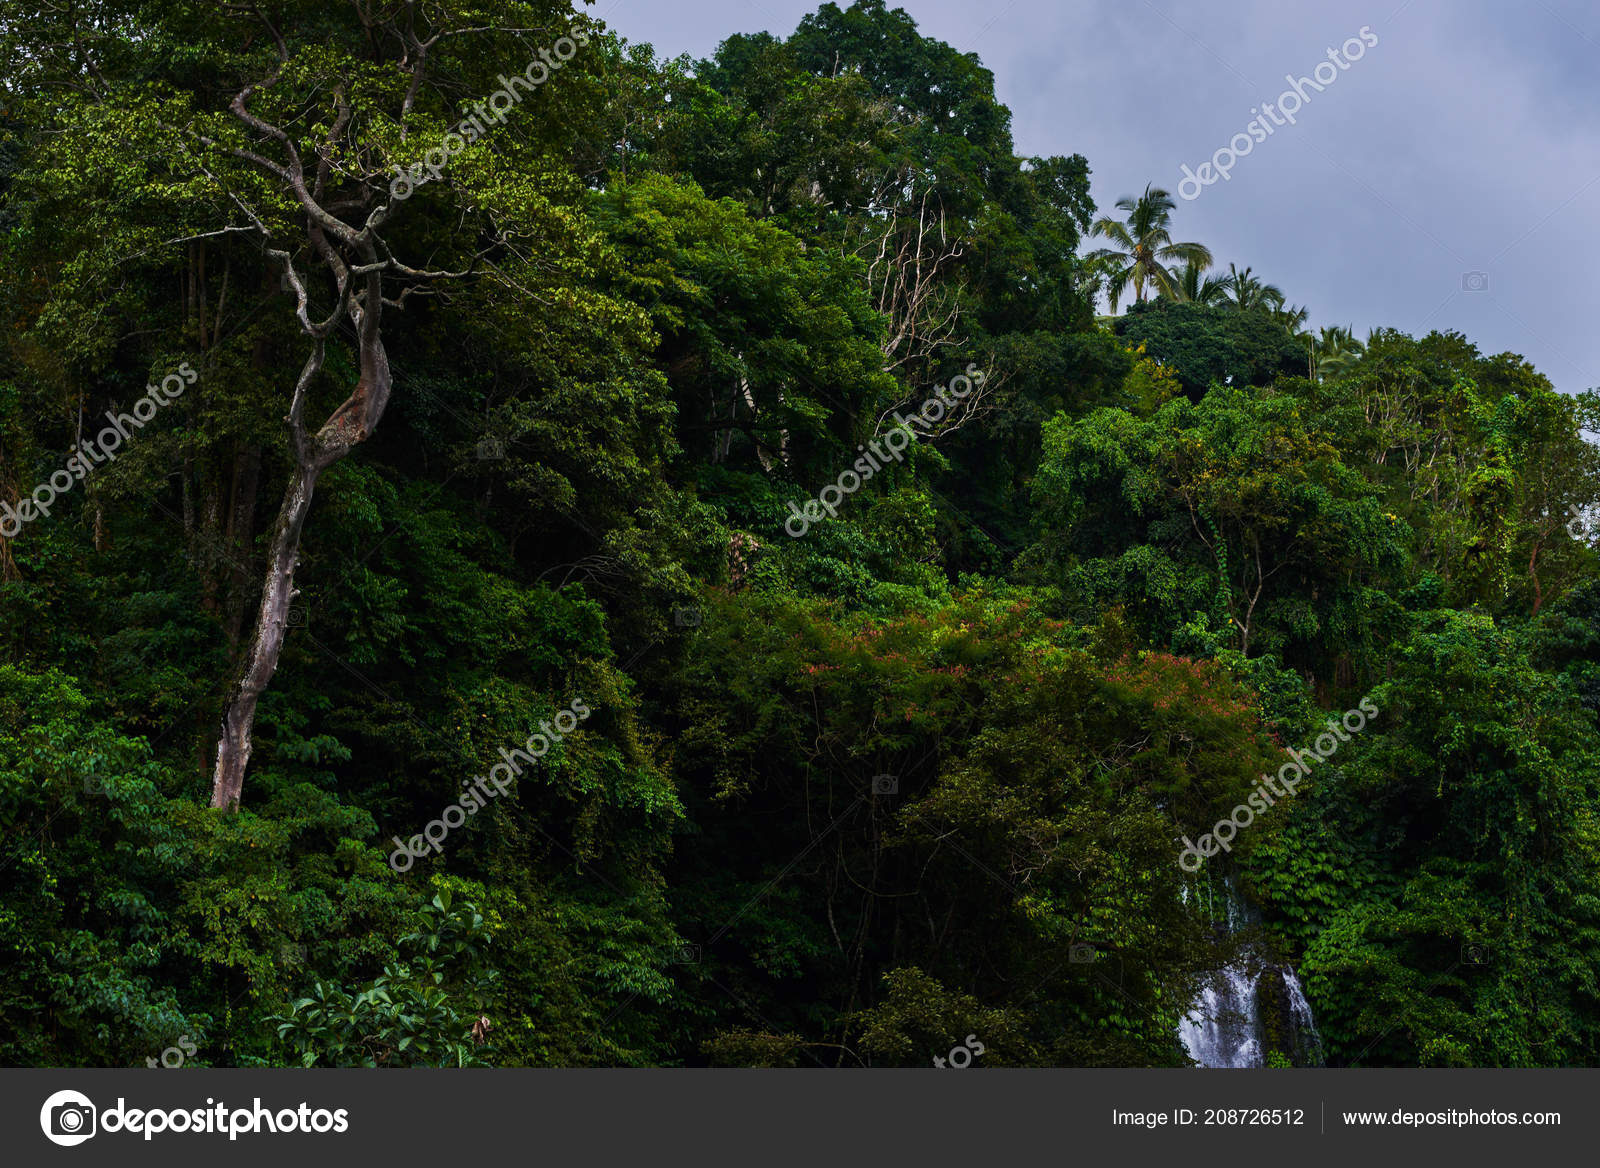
479,512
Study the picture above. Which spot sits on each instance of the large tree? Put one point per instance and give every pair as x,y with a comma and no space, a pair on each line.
333,190
311,152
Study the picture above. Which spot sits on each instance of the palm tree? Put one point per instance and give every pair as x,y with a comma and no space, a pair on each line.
1334,351
1195,287
1142,247
1292,317
1243,290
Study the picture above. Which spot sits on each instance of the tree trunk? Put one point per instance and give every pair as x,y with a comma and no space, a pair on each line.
352,423
357,260
233,750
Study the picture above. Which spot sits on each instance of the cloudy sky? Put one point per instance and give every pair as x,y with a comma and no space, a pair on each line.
1450,179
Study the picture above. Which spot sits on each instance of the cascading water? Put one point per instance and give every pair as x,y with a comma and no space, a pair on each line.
1303,1026
1224,1028
1251,1007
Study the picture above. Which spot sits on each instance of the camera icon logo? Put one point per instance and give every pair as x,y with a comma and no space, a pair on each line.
67,1118
686,954
1474,281
687,618
490,449
1474,955
1082,953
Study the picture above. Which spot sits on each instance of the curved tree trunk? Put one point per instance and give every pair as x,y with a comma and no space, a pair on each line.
356,259
352,423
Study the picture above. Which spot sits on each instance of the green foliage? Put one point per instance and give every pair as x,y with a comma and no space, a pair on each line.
1023,817
842,799
1207,345
1245,519
1440,882
411,1014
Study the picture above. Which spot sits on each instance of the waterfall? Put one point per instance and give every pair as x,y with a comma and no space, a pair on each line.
1304,1027
1252,1006
1224,1028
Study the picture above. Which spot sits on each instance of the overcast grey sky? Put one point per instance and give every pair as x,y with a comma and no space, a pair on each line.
1465,141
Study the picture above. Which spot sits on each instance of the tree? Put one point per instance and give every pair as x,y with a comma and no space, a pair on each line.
1292,317
1333,351
1142,247
977,798
1209,345
771,349
336,179
1232,514
1195,287
1473,819
1244,291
